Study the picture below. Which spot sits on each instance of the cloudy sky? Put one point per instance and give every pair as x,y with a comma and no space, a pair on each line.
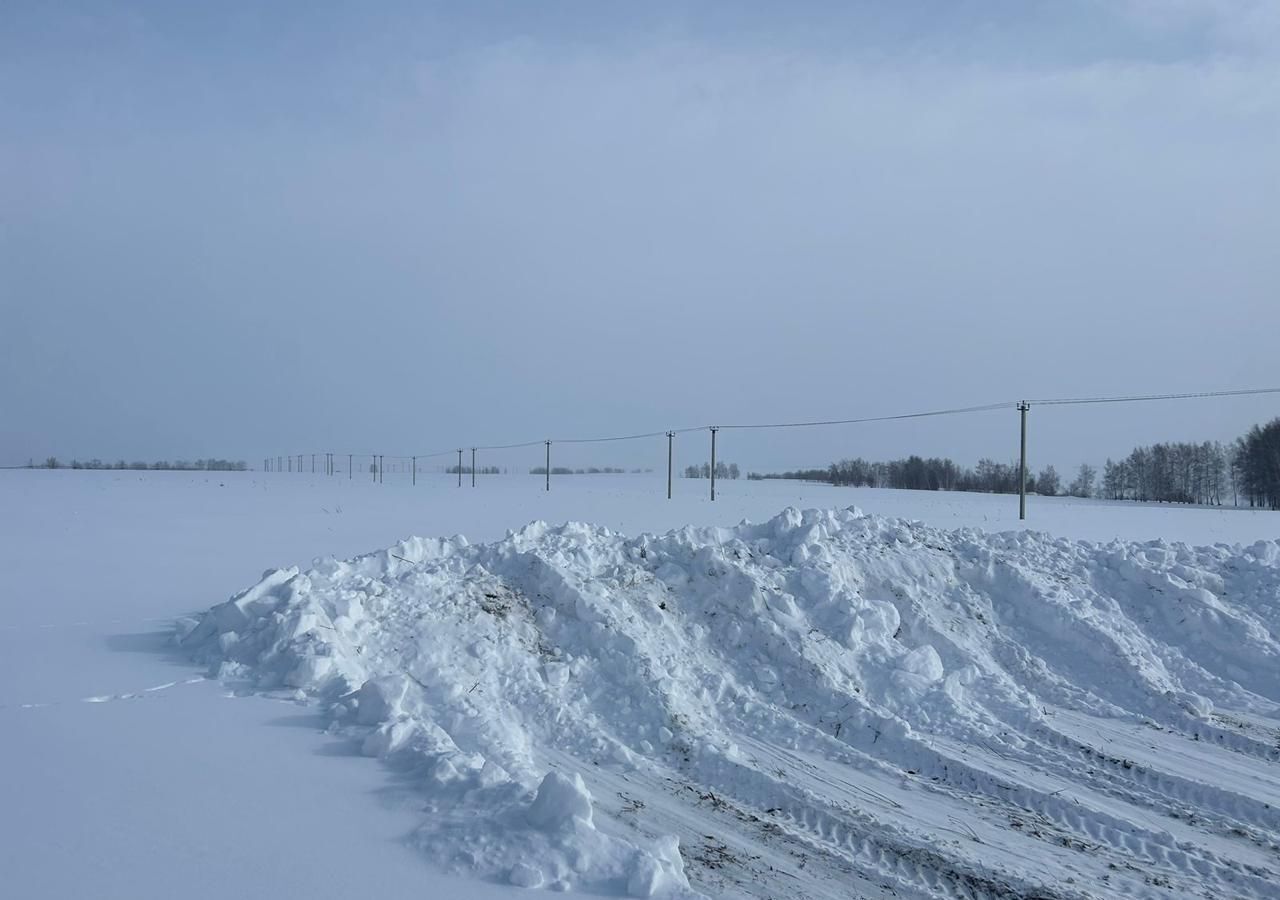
249,229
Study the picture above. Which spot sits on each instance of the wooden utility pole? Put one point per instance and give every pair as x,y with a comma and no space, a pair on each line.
459,467
473,466
670,438
714,429
1023,406
548,465
415,470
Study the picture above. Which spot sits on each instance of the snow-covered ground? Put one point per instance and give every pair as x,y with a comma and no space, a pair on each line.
820,704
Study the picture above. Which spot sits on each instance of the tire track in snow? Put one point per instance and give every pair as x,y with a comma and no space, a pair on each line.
107,698
104,623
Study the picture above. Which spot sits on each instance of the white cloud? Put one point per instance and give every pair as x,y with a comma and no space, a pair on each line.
1251,26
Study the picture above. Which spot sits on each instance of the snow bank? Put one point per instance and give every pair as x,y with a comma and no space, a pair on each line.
519,682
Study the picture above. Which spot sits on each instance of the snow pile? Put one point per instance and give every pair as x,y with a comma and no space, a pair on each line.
769,708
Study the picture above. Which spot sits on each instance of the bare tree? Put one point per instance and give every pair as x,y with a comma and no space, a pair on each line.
1047,482
1083,485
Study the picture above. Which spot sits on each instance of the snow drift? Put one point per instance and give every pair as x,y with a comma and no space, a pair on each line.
823,704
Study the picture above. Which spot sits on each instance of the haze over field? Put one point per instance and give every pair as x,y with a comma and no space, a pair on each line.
485,223
265,267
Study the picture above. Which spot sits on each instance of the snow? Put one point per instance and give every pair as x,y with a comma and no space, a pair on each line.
822,703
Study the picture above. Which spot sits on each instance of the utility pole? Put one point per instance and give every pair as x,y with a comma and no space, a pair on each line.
670,438
548,465
714,429
1023,406
459,467
348,467
381,468
415,470
473,466
313,464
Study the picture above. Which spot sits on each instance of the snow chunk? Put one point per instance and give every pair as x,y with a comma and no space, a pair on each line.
252,603
388,738
557,674
645,878
560,800
526,875
382,699
923,662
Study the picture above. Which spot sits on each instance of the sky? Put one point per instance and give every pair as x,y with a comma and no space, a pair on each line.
243,230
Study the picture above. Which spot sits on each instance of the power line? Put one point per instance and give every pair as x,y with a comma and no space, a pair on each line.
509,446
1008,404
1138,398
961,410
594,440
664,432
631,437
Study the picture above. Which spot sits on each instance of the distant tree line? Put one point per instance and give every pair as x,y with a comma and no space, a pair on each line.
1170,473
1255,465
182,465
723,470
1201,473
916,473
591,470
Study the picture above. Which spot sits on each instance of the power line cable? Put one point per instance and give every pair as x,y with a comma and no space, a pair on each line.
1138,398
508,446
961,410
1008,404
630,437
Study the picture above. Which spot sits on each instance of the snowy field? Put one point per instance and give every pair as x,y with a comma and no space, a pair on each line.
818,704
